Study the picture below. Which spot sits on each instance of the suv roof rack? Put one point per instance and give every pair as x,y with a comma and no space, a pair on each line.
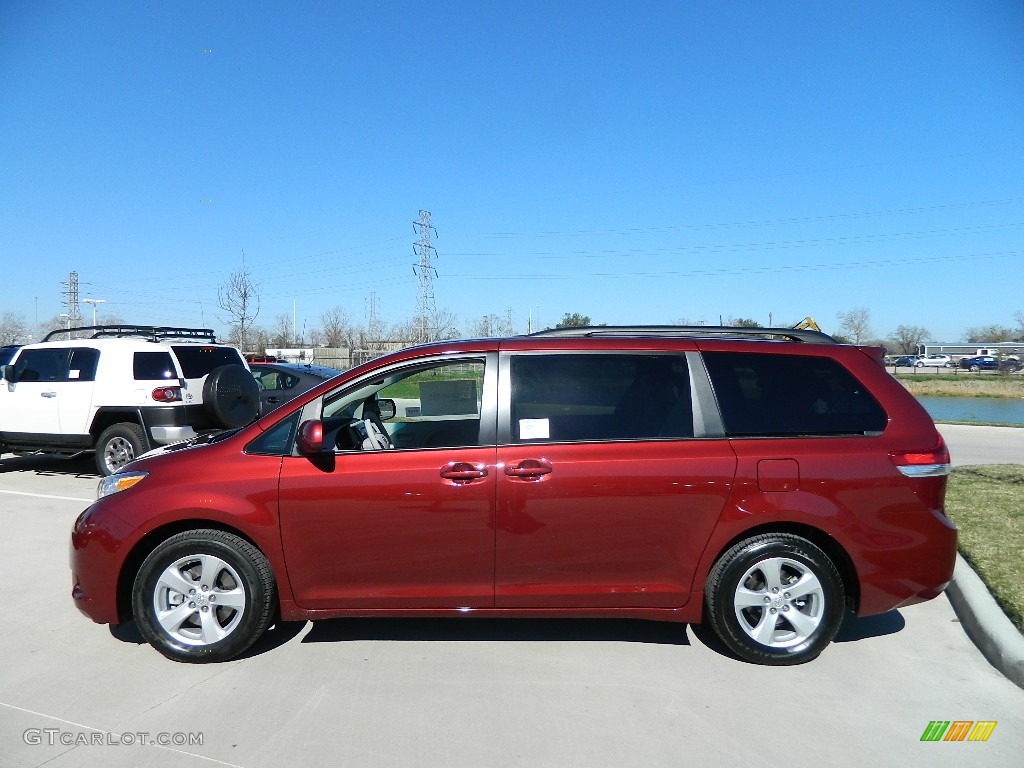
151,332
718,331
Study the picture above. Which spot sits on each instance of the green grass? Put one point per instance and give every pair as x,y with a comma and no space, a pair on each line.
987,505
963,385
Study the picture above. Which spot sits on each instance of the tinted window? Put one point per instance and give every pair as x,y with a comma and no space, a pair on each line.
151,366
196,361
566,397
82,366
276,441
41,365
768,394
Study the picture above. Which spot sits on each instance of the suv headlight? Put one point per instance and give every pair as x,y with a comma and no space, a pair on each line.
119,482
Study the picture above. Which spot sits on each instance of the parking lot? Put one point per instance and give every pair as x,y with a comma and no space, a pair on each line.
383,692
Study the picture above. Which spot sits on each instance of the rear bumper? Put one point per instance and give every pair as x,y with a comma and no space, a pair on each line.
895,577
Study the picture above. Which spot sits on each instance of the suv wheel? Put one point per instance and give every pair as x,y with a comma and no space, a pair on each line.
203,596
117,446
775,599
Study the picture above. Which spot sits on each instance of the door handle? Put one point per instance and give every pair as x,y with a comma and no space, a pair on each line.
463,472
529,469
48,394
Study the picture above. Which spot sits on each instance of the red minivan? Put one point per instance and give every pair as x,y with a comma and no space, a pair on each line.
763,480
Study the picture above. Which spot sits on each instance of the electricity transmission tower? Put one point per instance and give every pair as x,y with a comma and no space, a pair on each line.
425,273
70,293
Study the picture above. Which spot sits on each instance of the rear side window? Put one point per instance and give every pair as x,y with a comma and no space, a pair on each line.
153,366
778,395
196,361
82,366
566,397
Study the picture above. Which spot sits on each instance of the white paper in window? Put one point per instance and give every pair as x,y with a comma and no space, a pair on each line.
534,429
74,374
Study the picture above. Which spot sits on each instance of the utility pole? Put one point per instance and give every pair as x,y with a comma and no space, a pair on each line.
94,302
71,298
371,313
424,271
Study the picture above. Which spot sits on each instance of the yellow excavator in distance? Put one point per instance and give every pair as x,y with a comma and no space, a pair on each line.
807,324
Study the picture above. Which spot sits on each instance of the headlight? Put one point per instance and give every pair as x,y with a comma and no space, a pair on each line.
119,482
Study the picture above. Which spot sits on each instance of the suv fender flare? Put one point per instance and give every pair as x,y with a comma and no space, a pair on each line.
108,416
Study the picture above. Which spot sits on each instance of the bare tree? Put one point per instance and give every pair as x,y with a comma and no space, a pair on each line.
13,328
490,326
855,324
1019,317
988,334
240,298
337,329
282,335
908,338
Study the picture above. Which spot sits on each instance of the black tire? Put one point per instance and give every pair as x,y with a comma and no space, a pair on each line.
118,445
231,396
750,609
230,606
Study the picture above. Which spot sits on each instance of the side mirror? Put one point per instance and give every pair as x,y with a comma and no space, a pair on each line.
8,372
387,409
311,437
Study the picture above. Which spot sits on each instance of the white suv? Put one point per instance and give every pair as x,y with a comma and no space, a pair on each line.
121,391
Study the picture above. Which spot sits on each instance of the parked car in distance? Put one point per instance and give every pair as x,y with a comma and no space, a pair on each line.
989,363
765,482
120,391
938,361
280,382
906,361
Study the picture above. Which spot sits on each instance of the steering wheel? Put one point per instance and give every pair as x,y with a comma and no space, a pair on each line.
377,437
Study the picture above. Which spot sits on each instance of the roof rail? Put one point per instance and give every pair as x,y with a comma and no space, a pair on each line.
705,331
151,332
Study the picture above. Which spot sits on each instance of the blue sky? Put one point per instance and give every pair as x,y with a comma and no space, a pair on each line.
635,162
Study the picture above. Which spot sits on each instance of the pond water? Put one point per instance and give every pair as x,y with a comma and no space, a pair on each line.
1002,410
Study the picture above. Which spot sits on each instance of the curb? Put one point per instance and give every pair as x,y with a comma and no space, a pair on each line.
985,623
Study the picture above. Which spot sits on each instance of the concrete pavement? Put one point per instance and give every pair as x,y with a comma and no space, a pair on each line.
453,693
983,445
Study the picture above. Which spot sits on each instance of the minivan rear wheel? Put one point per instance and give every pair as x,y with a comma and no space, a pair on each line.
775,599
203,596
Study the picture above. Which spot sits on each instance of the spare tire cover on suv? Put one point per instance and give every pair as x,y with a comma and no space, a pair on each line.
232,396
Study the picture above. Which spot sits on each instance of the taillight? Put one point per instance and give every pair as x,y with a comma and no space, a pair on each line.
167,394
933,463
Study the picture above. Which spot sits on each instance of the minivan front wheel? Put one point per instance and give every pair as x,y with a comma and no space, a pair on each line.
775,599
203,596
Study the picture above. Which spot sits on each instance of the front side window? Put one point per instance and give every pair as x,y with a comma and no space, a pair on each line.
41,365
778,395
576,397
430,405
270,380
